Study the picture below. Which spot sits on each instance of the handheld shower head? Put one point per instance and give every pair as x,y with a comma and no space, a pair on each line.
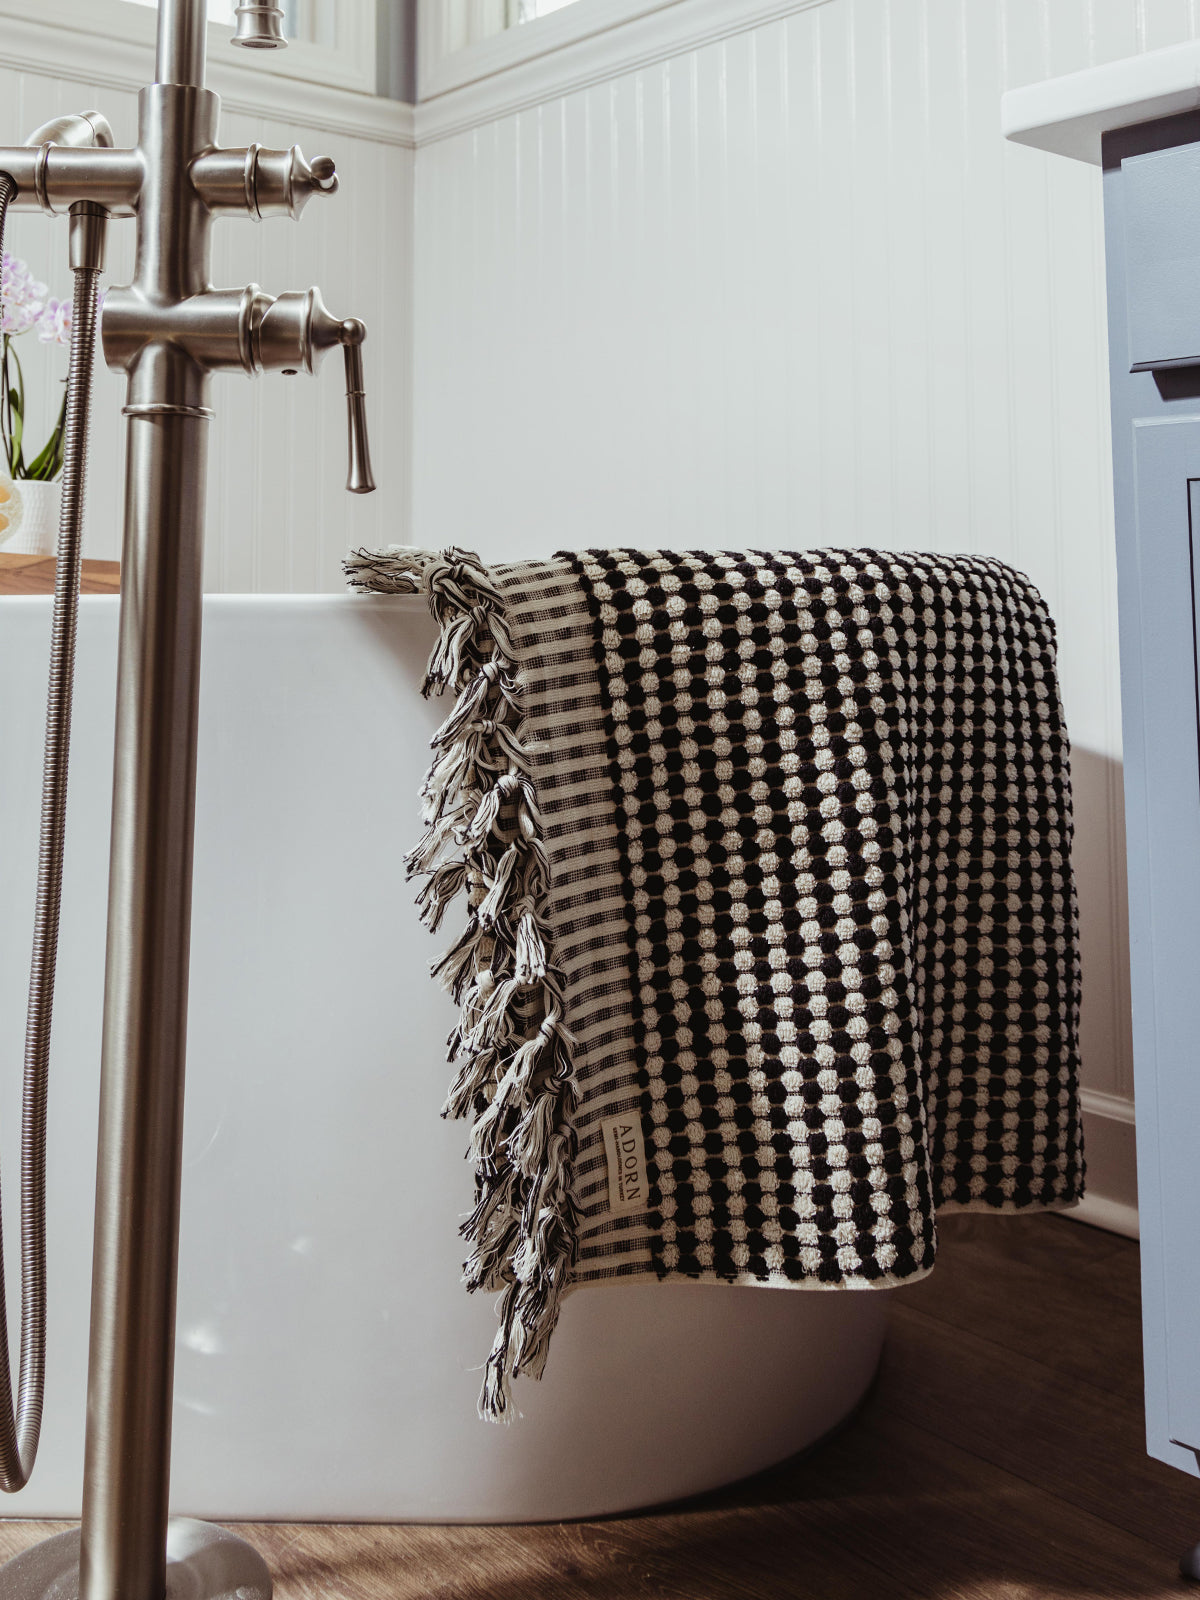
259,25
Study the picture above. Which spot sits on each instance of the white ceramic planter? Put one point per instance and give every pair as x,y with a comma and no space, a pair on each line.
32,510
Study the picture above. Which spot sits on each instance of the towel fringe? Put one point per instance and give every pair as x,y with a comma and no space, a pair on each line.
514,1054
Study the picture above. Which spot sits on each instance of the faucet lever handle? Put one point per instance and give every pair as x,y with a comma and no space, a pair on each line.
351,336
293,332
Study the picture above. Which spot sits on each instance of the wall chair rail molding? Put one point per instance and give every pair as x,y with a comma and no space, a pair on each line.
442,66
593,42
110,41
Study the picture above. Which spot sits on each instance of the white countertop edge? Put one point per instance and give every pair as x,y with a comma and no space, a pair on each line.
354,598
418,604
1068,115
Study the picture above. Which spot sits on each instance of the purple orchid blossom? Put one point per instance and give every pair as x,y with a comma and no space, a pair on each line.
54,324
26,306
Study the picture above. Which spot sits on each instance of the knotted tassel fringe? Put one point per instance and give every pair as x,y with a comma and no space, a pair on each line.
511,1048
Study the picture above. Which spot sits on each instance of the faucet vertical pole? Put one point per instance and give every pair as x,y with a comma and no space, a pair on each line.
182,41
131,1367
131,1361
167,331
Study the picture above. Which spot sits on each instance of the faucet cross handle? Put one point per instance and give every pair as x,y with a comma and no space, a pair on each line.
251,181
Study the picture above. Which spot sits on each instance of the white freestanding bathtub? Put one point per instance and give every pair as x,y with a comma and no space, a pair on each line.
327,1357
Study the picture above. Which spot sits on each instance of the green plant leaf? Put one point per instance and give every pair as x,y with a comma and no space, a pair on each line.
16,406
17,431
48,464
41,467
5,408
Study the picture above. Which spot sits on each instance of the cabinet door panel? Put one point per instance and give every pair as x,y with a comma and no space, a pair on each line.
1167,489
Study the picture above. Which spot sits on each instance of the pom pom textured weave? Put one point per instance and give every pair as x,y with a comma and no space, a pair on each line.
768,855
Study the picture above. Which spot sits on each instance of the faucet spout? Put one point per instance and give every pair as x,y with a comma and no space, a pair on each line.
259,25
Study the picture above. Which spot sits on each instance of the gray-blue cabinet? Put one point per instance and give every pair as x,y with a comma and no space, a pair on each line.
1152,237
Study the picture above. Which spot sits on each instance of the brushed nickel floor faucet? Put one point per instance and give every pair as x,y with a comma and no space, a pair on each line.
168,331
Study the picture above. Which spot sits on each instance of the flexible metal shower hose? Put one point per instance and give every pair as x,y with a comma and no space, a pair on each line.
19,1433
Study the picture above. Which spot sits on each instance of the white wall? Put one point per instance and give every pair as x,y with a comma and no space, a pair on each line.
784,287
792,288
279,518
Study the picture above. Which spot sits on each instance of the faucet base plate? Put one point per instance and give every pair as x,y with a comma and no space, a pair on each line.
204,1562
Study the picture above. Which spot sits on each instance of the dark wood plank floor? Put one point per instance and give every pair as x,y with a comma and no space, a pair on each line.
1000,1457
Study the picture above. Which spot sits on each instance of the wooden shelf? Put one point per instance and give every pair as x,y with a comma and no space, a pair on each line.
35,575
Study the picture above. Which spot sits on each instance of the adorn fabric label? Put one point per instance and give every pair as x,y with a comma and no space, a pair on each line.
627,1185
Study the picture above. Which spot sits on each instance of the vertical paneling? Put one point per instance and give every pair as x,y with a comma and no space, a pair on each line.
790,288
280,519
793,288
907,278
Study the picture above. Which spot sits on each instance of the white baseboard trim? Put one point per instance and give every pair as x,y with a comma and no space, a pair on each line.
1109,1148
1111,1215
1114,1107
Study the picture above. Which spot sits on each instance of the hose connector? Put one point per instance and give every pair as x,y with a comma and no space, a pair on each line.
89,232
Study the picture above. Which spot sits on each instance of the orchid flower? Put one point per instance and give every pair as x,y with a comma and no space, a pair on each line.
24,299
54,323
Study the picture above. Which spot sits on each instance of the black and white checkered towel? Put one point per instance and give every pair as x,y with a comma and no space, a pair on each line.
771,945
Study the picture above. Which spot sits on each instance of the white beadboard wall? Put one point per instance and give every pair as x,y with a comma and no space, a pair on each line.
791,288
279,517
785,288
